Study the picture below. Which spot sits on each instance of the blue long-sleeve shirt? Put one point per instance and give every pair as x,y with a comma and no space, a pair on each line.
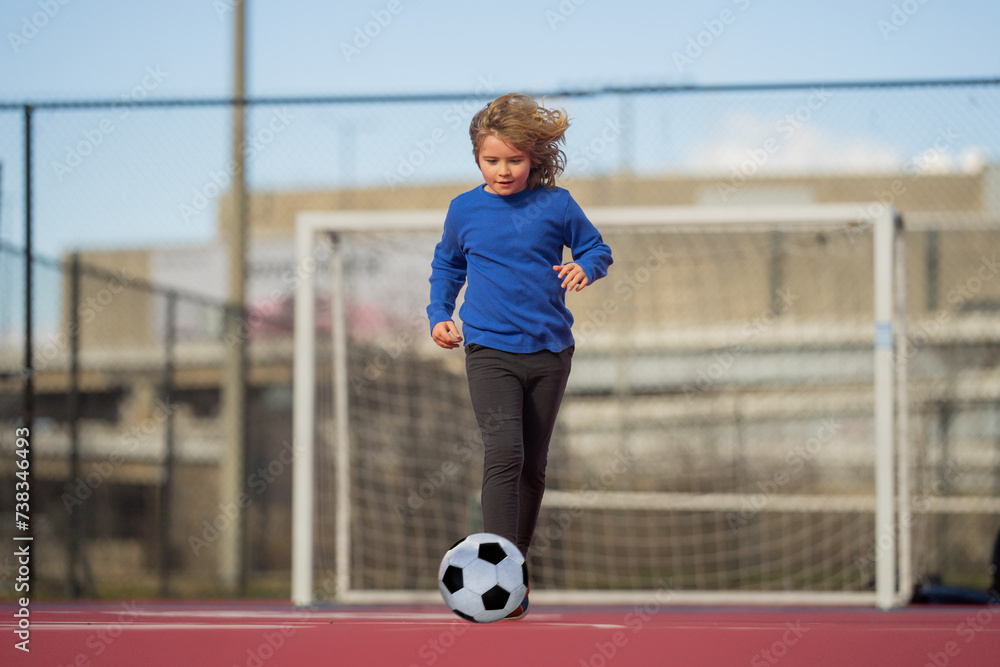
506,246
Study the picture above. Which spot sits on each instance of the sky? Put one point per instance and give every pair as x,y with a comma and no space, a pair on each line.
59,49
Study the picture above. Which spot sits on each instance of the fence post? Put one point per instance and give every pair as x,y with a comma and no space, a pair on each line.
28,413
166,482
232,565
77,527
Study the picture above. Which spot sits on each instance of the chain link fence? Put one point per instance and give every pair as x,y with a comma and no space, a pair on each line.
131,206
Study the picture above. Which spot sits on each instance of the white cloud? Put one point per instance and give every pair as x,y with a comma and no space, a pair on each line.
751,144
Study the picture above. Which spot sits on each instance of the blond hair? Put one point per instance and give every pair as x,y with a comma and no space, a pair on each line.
518,120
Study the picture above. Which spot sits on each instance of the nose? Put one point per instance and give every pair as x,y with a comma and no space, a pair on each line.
504,168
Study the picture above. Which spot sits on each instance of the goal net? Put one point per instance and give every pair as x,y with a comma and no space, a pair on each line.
729,432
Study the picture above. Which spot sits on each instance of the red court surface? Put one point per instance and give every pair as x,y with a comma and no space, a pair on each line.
149,634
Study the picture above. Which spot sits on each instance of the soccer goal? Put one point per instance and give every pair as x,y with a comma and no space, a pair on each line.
733,432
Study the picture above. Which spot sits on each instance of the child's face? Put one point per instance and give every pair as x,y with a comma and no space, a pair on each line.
505,168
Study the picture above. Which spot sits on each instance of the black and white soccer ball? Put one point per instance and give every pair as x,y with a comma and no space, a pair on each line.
483,577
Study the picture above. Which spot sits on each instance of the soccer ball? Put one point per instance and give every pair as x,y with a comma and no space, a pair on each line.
483,577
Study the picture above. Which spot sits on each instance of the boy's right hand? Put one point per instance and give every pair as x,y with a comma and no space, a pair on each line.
446,335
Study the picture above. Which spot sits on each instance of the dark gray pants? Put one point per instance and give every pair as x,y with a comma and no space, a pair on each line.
516,399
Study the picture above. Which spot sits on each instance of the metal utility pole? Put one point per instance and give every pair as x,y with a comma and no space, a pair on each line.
232,569
28,414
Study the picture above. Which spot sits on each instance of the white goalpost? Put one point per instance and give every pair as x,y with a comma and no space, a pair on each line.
734,430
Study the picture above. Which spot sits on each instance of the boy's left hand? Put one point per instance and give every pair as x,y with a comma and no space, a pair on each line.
572,275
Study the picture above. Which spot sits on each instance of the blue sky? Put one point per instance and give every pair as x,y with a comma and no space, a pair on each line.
86,49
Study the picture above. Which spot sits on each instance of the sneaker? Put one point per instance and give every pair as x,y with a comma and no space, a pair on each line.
522,609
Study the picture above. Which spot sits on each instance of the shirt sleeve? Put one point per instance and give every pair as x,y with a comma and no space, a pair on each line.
448,271
589,250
